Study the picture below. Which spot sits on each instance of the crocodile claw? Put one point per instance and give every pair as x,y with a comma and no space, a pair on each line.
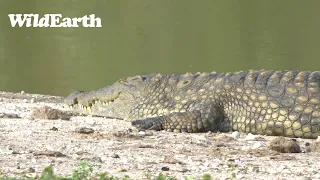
147,124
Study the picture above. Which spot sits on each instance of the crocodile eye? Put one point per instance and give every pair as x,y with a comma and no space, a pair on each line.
122,80
185,82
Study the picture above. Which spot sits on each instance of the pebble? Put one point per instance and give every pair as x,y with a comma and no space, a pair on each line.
32,170
240,176
115,156
250,137
121,170
32,175
285,145
165,168
22,92
84,130
33,100
304,178
235,134
257,145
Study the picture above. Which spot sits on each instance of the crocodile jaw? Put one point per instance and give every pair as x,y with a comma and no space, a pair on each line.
114,101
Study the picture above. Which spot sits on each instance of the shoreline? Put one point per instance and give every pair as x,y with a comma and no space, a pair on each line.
114,146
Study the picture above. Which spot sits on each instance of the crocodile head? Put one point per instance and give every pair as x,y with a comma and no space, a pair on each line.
145,96
114,101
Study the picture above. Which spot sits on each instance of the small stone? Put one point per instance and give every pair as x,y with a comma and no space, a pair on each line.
54,129
304,178
171,160
15,152
9,116
285,145
142,133
84,130
32,175
257,145
22,92
308,147
115,156
49,153
184,170
145,146
165,168
121,170
97,159
32,100
25,100
315,146
250,137
235,134
239,176
91,122
32,170
49,113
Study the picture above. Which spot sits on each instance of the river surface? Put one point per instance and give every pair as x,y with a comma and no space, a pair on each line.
148,36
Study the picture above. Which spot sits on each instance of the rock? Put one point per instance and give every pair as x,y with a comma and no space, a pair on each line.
54,129
165,168
121,170
257,145
84,130
49,153
31,170
171,160
9,116
33,100
49,113
304,178
250,137
115,156
235,134
285,145
315,146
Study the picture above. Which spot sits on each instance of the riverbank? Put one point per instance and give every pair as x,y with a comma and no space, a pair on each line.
37,131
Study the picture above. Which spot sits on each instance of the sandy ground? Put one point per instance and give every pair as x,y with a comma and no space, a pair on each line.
30,142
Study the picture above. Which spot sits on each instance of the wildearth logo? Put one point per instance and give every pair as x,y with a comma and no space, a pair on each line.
53,20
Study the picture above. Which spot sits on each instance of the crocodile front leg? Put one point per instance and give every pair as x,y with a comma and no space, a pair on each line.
208,119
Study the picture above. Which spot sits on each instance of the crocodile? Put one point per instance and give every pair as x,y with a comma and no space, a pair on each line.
265,102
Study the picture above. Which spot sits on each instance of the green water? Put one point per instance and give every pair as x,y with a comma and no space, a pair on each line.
147,36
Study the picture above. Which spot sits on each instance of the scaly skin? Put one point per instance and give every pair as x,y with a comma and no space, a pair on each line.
281,103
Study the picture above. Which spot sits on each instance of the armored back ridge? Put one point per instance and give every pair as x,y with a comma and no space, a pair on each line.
283,103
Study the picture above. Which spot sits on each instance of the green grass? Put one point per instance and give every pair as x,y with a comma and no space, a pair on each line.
85,172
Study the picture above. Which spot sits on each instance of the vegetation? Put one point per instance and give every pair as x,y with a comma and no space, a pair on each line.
85,172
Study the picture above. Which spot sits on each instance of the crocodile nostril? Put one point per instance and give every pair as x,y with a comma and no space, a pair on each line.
75,101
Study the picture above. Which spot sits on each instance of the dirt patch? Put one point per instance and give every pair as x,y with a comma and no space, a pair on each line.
29,144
